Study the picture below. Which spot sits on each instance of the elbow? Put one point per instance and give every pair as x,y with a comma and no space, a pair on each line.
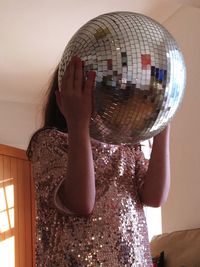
80,205
154,198
154,202
87,213
85,207
151,203
84,211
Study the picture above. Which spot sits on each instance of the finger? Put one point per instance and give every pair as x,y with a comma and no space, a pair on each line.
78,75
89,83
68,78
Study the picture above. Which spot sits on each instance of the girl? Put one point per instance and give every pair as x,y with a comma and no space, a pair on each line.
90,195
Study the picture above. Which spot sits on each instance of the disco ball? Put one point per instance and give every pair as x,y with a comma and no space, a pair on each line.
140,75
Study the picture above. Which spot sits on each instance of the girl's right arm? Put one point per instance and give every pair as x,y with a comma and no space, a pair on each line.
75,103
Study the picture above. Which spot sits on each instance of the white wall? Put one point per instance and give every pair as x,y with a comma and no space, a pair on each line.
33,36
182,208
18,121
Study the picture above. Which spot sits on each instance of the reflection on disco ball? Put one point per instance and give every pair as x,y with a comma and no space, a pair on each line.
140,75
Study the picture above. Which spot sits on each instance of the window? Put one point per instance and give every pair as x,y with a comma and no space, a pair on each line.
7,241
153,215
16,209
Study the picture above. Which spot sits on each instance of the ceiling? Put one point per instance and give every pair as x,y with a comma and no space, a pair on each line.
35,33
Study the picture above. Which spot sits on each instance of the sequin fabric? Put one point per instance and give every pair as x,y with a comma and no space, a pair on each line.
115,234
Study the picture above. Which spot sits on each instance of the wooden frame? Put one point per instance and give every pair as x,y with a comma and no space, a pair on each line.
14,164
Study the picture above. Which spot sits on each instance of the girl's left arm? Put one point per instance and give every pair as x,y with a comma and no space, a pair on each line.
155,189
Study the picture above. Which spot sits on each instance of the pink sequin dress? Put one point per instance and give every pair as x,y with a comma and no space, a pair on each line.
115,234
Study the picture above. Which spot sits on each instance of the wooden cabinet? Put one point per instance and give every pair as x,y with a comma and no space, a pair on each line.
16,209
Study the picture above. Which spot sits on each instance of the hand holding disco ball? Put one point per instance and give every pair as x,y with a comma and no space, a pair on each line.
140,75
